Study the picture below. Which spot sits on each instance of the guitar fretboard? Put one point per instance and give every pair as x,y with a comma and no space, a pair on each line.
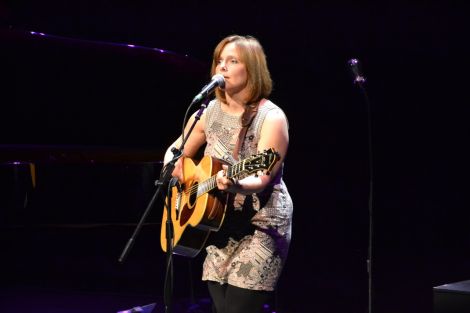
262,161
210,183
206,186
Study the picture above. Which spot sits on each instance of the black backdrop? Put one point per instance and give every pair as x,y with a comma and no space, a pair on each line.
414,58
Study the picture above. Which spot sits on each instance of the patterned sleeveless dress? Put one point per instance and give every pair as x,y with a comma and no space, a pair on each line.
251,247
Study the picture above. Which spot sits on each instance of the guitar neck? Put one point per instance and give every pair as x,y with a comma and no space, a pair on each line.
260,162
210,184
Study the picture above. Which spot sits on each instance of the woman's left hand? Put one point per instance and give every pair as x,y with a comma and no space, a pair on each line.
223,182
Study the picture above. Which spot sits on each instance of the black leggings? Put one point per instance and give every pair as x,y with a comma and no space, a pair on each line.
230,299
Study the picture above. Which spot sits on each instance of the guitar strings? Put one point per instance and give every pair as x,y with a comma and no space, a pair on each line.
211,181
232,171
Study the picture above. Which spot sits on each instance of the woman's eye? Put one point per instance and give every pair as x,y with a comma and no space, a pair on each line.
234,61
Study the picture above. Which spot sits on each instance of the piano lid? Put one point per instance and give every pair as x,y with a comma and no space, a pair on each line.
64,94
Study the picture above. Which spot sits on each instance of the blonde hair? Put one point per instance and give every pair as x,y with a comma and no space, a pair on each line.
252,55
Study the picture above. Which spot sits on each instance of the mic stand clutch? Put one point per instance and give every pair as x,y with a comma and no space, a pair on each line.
165,181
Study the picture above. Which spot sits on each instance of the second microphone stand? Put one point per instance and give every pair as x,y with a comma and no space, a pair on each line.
359,80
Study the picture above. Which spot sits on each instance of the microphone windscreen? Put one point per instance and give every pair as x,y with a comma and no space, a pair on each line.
220,80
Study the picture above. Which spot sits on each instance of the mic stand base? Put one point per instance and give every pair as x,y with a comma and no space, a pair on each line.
140,309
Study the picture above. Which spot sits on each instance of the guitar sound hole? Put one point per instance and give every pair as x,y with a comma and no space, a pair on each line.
187,209
193,196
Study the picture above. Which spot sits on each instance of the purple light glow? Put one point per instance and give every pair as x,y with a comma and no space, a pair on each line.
18,163
36,33
54,37
353,61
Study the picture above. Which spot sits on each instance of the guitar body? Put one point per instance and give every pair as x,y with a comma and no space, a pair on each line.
194,213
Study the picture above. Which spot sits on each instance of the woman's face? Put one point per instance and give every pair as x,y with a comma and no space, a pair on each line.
233,70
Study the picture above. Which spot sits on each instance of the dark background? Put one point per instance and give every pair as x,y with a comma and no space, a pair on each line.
96,115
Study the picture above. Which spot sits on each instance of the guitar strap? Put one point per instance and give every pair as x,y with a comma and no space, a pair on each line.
244,130
240,140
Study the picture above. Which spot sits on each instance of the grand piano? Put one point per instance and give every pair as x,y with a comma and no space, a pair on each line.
67,92
84,126
68,101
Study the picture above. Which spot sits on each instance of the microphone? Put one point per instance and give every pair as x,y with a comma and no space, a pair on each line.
216,81
356,71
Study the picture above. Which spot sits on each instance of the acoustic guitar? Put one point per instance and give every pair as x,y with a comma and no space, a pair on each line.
197,207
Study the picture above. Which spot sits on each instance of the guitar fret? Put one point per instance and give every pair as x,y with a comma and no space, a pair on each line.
199,187
202,188
206,186
234,170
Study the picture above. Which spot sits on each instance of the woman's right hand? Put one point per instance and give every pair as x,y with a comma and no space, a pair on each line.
178,171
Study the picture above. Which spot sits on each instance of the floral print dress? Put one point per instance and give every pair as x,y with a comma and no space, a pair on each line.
257,226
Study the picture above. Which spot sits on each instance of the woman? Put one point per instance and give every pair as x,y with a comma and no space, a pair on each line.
243,266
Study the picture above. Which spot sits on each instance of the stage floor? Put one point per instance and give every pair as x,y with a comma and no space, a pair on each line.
48,300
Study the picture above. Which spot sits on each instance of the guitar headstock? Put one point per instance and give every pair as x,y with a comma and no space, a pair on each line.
263,161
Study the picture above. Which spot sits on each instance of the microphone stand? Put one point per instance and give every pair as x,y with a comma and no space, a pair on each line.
165,180
359,80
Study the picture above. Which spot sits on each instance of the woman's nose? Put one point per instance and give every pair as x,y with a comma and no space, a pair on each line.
223,66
